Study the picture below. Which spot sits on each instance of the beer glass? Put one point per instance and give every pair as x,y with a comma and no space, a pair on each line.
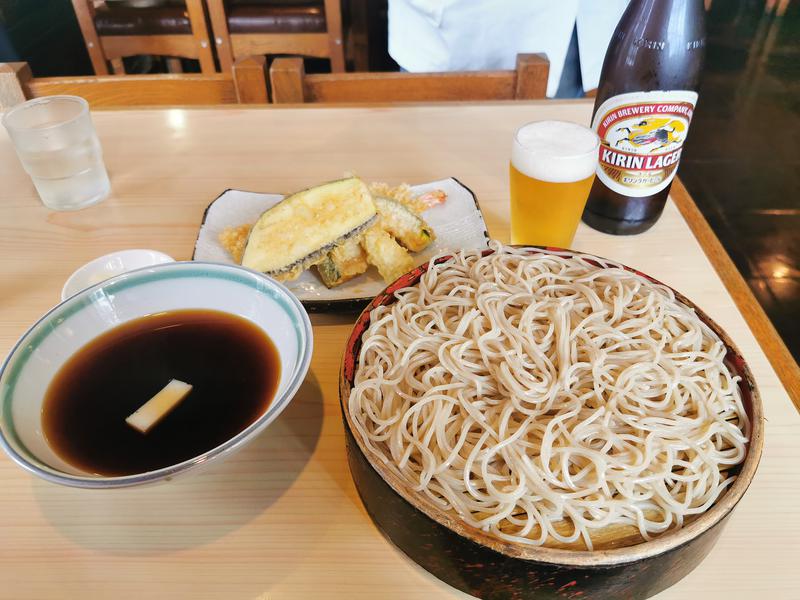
57,146
552,168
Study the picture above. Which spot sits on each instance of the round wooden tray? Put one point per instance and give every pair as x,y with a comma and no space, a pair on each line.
477,563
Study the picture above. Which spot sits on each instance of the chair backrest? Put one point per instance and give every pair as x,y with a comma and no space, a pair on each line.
104,49
290,84
246,85
287,40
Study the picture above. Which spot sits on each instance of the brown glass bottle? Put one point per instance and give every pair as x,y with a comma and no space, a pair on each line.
644,105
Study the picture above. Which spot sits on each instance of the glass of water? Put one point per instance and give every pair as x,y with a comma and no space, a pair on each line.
58,147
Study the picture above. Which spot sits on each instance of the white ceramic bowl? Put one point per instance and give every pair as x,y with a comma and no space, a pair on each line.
38,355
106,267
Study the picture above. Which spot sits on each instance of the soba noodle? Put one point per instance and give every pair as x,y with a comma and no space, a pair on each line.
525,393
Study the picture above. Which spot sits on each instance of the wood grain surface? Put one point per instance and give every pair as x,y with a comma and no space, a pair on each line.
290,84
197,18
307,44
333,27
219,31
119,46
14,78
135,90
85,12
245,84
282,519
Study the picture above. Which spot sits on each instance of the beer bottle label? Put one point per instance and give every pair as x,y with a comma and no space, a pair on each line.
641,135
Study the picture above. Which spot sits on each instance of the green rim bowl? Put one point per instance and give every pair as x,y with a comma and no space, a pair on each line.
37,356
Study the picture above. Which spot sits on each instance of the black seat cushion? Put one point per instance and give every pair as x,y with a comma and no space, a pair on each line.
123,20
276,17
244,16
274,2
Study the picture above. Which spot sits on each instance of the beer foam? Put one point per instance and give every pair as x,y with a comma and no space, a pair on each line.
555,151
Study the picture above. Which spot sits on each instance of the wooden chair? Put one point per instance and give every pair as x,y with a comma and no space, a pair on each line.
176,30
250,27
779,6
290,84
246,84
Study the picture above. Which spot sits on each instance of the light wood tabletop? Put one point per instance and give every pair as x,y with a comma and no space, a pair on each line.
282,519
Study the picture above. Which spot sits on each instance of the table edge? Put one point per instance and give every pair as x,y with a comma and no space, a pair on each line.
774,348
364,105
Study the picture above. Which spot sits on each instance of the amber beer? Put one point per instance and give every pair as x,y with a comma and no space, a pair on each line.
645,101
552,169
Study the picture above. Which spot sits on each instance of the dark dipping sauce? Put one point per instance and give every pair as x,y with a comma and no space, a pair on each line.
233,366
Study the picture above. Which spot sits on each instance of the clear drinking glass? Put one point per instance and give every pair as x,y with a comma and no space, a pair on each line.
58,147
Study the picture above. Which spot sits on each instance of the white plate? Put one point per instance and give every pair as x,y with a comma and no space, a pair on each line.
106,267
458,224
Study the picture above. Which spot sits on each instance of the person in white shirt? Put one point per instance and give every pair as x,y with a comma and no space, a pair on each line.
472,35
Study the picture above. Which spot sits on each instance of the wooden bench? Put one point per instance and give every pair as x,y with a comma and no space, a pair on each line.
245,84
290,84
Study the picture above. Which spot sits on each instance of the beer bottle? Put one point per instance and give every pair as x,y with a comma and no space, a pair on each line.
647,94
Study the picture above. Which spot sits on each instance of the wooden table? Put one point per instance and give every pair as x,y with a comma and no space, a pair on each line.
282,519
